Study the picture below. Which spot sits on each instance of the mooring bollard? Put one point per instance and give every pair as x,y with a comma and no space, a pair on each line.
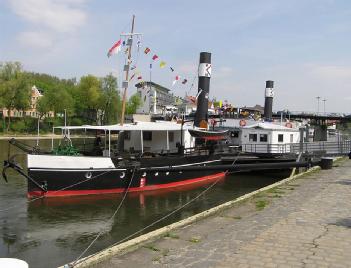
326,163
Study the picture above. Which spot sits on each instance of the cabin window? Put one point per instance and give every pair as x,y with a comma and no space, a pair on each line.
291,138
253,137
263,137
234,134
280,137
147,135
171,136
127,135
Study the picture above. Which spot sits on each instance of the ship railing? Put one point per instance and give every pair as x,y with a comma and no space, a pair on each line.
342,147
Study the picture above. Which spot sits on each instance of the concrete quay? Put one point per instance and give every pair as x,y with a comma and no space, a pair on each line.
302,222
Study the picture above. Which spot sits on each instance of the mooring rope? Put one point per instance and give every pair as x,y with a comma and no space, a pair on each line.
113,215
159,220
237,157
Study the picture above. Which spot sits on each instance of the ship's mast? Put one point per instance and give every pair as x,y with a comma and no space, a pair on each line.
127,68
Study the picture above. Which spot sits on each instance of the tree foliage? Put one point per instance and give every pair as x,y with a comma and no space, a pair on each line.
111,102
91,100
14,88
133,104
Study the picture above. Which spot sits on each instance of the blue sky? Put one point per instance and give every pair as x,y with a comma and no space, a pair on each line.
304,46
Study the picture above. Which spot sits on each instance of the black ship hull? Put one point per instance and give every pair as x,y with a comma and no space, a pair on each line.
87,181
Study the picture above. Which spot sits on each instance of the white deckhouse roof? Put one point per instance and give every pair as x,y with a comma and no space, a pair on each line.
271,126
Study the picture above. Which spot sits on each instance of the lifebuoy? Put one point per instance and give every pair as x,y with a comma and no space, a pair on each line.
242,123
288,124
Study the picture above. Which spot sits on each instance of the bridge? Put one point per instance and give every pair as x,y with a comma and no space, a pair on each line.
317,117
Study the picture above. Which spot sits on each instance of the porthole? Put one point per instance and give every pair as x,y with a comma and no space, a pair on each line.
88,175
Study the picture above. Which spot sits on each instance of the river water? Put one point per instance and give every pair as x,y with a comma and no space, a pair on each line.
54,231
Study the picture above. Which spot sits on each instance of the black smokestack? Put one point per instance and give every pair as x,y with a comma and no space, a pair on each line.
268,101
201,115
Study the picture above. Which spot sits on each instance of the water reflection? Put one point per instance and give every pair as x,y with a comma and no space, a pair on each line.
53,231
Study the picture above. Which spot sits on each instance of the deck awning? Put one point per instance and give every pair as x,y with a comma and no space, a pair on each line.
141,126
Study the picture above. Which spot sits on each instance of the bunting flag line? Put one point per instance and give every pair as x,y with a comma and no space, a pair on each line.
147,50
175,80
140,77
115,48
132,68
162,64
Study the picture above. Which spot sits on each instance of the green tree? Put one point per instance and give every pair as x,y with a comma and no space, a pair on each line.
15,89
89,98
48,82
58,101
133,104
111,108
44,106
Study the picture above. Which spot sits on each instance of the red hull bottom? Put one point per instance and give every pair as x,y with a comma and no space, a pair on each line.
63,193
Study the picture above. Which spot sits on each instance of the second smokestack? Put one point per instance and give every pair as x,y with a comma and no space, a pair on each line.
268,101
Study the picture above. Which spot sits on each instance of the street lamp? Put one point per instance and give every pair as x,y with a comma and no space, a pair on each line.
324,100
318,98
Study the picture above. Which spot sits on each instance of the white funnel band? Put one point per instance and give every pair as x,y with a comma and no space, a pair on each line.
269,93
205,69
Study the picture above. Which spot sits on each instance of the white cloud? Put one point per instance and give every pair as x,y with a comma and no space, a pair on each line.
39,40
61,16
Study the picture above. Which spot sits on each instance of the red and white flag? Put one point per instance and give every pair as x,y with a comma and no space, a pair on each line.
175,80
115,48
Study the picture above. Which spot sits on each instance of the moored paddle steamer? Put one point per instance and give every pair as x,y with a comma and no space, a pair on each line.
127,164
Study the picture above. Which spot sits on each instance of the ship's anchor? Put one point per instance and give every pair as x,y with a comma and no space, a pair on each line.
6,166
11,163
